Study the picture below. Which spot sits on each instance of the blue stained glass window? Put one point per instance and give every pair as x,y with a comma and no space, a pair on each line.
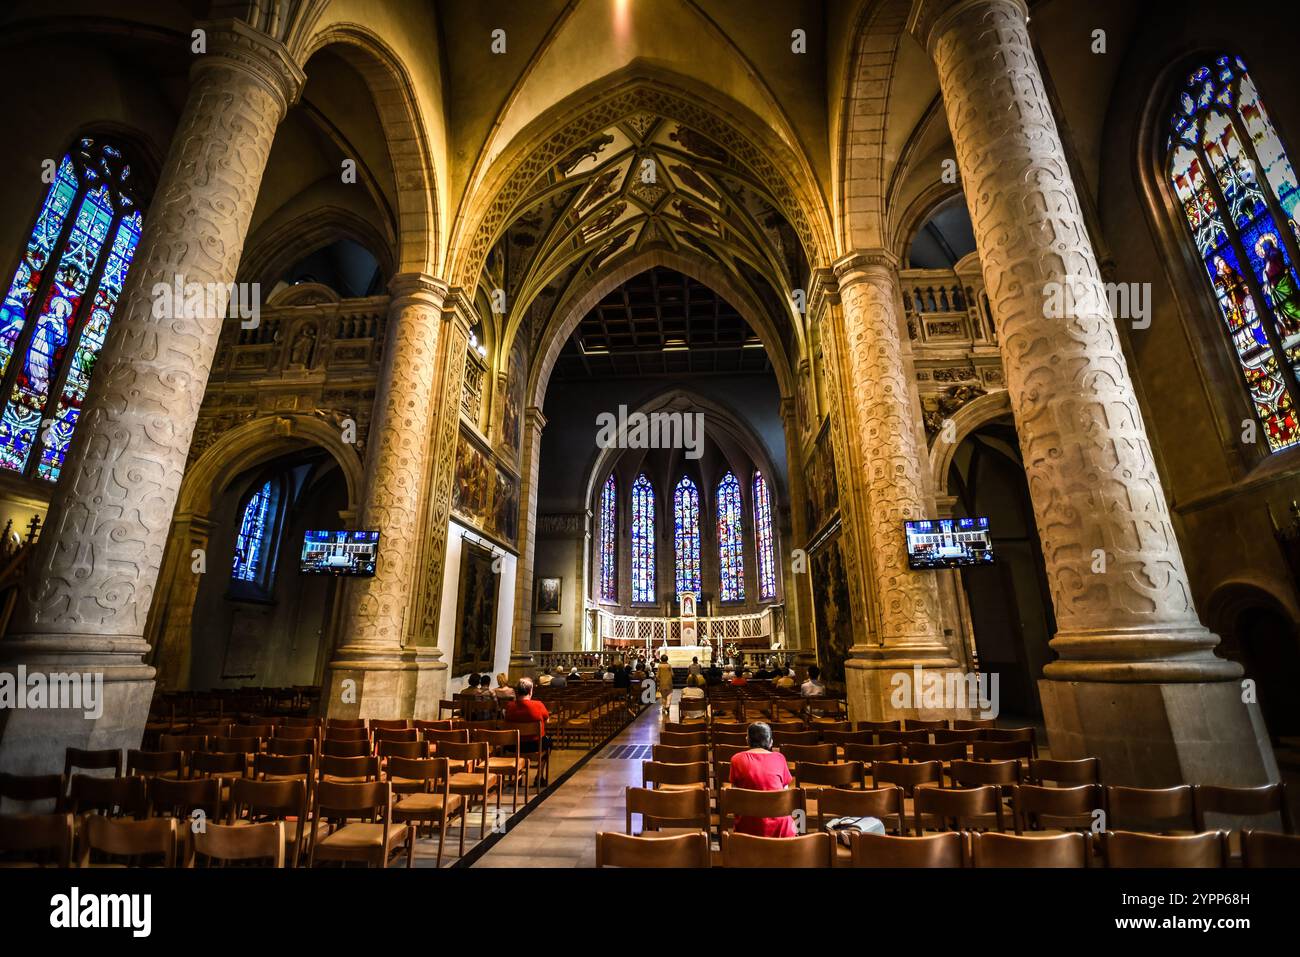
60,302
609,541
252,540
643,540
686,536
763,533
1231,175
731,551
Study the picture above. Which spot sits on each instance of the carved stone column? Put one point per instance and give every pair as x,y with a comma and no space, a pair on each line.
1137,682
521,658
174,634
374,672
883,421
93,574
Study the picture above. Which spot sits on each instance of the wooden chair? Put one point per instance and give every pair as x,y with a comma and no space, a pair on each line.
504,760
973,724
976,773
685,810
1131,849
472,777
684,754
912,736
1241,802
354,822
290,746
389,724
733,739
347,770
874,726
1008,735
1038,808
886,804
182,799
792,727
331,734
345,723
670,777
843,738
334,748
869,754
683,739
455,735
1081,771
101,760
781,739
155,764
245,746
815,777
624,850
113,797
1010,850
401,749
746,850
284,802
36,839
257,730
906,776
1266,849
156,837
963,807
826,727
949,735
736,802
807,753
27,789
531,734
227,843
680,727
1155,810
925,724
395,734
985,750
944,849
425,798
280,767
827,710
920,751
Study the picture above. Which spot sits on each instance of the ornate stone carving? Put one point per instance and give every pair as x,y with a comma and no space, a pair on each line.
937,408
1127,616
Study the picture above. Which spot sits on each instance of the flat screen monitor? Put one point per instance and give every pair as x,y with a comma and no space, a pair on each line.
948,543
340,553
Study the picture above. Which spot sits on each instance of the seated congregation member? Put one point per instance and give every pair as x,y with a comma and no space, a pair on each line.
558,680
740,678
524,709
607,673
713,676
761,769
695,668
471,687
622,676
574,674
694,689
813,688
783,678
503,690
485,687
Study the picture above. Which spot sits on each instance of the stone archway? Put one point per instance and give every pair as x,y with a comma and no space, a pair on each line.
169,628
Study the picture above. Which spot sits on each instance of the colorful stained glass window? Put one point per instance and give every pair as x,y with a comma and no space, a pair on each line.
731,550
763,533
1244,227
609,541
56,313
686,536
252,541
643,540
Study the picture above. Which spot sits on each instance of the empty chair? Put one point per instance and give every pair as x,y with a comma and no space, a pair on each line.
1130,849
395,734
948,735
1081,771
1011,850
1157,810
679,739
674,776
32,793
986,750
106,759
895,725
1266,849
152,840
504,760
925,724
792,727
807,753
36,839
1038,808
345,749
920,751
114,797
345,723
270,767
664,813
1026,735
1239,802
454,735
228,843
625,850
423,791
849,774
973,724
747,850
283,801
389,724
869,754
751,811
906,776
331,734
914,736
154,763
354,823
402,749
975,773
181,799
961,807
678,727
929,850
684,754
291,746
348,770
471,777
842,738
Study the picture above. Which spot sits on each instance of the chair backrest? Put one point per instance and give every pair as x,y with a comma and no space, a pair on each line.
949,735
925,724
1080,771
107,758
396,734
453,736
623,850
168,798
685,754
657,773
283,765
731,738
1241,802
971,724
29,788
808,753
258,730
267,800
1130,849
463,752
345,749
231,746
842,738
1150,809
974,773
882,803
291,746
348,769
153,762
422,726
869,753
125,796
26,835
792,727
742,802
333,734
747,850
1012,850
417,769
944,849
952,751
1266,849
847,774
337,801
345,723
134,839
688,807
913,736
677,727
680,739
960,806
1040,808
895,725
389,724
250,842
403,749
805,738
1001,750
906,776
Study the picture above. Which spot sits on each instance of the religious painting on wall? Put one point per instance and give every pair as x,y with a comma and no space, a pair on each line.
823,496
832,613
485,495
548,595
512,414
476,611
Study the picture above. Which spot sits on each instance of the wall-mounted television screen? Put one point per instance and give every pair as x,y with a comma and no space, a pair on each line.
339,553
948,543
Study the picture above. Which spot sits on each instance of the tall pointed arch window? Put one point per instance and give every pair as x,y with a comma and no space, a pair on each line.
686,536
731,550
609,540
1239,196
643,540
60,302
255,539
763,536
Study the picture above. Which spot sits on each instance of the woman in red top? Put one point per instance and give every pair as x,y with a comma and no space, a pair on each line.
761,769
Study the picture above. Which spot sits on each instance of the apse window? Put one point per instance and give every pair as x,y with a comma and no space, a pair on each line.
731,547
60,302
609,540
686,535
253,567
643,541
1239,196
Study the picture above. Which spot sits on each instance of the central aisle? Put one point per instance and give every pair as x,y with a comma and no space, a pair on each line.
561,832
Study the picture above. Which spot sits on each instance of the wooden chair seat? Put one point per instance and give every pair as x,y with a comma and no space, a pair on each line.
463,782
424,803
361,837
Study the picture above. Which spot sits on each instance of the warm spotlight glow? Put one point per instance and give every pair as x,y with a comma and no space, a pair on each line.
622,18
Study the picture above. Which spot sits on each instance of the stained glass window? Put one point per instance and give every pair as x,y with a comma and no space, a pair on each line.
253,540
609,541
1244,227
730,540
643,540
686,536
763,533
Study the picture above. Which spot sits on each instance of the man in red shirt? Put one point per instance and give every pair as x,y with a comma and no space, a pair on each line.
532,715
761,769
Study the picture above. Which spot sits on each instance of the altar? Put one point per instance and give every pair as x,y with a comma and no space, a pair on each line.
679,656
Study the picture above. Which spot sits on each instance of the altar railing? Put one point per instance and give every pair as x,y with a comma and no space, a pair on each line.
618,632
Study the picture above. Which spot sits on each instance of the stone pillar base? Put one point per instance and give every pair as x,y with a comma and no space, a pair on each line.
521,663
1160,734
111,678
876,687
386,684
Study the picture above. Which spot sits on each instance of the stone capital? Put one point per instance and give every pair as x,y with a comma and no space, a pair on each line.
875,266
534,419
931,19
233,43
416,288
